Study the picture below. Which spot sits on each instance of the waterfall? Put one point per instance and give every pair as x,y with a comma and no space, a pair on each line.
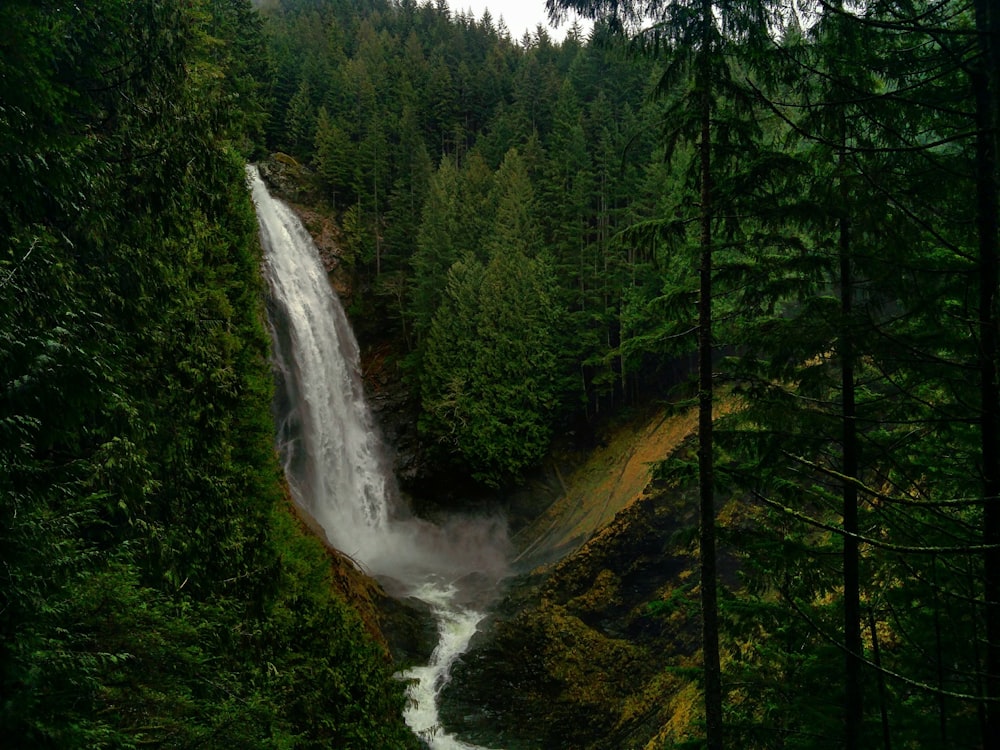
338,470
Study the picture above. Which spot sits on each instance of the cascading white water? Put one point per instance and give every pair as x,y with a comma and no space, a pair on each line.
336,468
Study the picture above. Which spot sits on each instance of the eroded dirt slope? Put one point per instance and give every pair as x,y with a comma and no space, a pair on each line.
614,476
595,647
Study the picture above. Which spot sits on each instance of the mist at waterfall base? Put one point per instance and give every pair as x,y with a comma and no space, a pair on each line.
339,472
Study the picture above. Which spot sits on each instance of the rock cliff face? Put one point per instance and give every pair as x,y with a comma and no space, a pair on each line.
597,650
289,180
403,627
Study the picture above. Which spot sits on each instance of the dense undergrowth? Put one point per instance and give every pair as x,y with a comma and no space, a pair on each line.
156,589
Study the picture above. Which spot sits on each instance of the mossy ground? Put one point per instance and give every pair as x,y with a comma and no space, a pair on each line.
599,649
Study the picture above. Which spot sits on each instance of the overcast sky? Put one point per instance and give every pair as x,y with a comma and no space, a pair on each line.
519,15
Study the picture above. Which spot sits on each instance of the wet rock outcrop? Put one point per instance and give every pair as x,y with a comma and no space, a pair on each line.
599,651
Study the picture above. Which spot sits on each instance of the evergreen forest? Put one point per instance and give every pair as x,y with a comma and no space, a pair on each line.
156,589
781,214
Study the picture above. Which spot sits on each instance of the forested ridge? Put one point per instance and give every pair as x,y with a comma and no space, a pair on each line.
156,590
800,199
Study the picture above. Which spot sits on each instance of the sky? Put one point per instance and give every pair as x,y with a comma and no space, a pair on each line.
519,15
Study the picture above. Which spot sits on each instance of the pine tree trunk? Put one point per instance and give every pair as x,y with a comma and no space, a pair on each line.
939,659
883,698
853,701
709,585
985,84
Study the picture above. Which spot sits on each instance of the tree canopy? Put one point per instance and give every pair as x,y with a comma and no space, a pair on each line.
156,587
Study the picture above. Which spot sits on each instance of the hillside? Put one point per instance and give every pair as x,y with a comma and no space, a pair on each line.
610,478
594,648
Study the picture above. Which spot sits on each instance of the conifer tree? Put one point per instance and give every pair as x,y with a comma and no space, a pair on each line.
490,382
873,130
695,38
155,581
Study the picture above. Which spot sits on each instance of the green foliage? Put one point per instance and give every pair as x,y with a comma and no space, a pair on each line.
157,590
490,365
399,88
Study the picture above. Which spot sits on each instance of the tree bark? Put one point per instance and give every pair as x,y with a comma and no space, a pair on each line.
883,699
985,85
709,583
853,698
